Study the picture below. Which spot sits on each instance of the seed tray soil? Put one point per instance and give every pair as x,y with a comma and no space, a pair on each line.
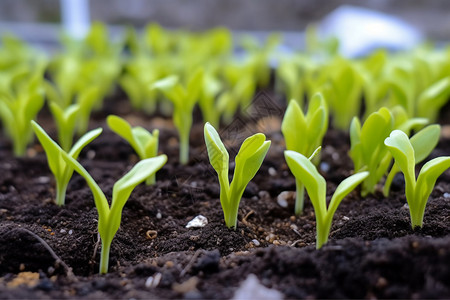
48,251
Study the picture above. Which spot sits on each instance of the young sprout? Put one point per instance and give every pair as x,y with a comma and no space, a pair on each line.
304,170
423,143
304,133
368,151
433,98
183,99
417,192
18,108
60,169
211,87
65,120
345,100
247,163
109,218
143,142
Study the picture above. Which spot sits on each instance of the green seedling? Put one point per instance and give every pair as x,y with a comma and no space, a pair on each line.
109,218
433,98
304,133
345,99
86,99
183,99
207,101
290,80
65,120
304,170
423,143
18,108
417,192
247,163
60,169
368,151
143,142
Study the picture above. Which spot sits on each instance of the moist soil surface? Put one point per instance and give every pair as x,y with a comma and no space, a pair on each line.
48,251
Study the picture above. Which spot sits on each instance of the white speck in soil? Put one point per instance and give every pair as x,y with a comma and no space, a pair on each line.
62,231
158,215
447,195
272,171
90,154
405,206
43,179
70,231
153,281
324,167
283,198
197,222
256,242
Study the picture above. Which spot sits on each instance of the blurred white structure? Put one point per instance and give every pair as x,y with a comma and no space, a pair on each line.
362,30
75,17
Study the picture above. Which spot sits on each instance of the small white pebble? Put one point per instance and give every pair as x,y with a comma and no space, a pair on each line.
272,171
62,231
405,206
70,231
90,154
325,167
194,184
283,197
345,218
43,179
263,194
158,215
197,222
256,242
153,281
446,195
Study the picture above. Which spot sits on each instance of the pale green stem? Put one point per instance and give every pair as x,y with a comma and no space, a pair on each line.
184,148
19,146
60,192
151,180
300,197
104,257
323,231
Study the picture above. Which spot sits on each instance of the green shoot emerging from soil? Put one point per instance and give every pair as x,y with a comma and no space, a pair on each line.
417,192
304,170
60,169
143,142
183,98
304,133
247,163
109,218
423,143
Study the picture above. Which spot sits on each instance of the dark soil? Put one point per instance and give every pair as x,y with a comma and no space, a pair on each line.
48,251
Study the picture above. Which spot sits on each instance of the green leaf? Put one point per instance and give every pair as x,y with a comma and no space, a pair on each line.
217,153
166,83
100,200
433,98
402,150
343,189
124,186
424,141
52,150
292,127
249,159
303,169
84,141
428,176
